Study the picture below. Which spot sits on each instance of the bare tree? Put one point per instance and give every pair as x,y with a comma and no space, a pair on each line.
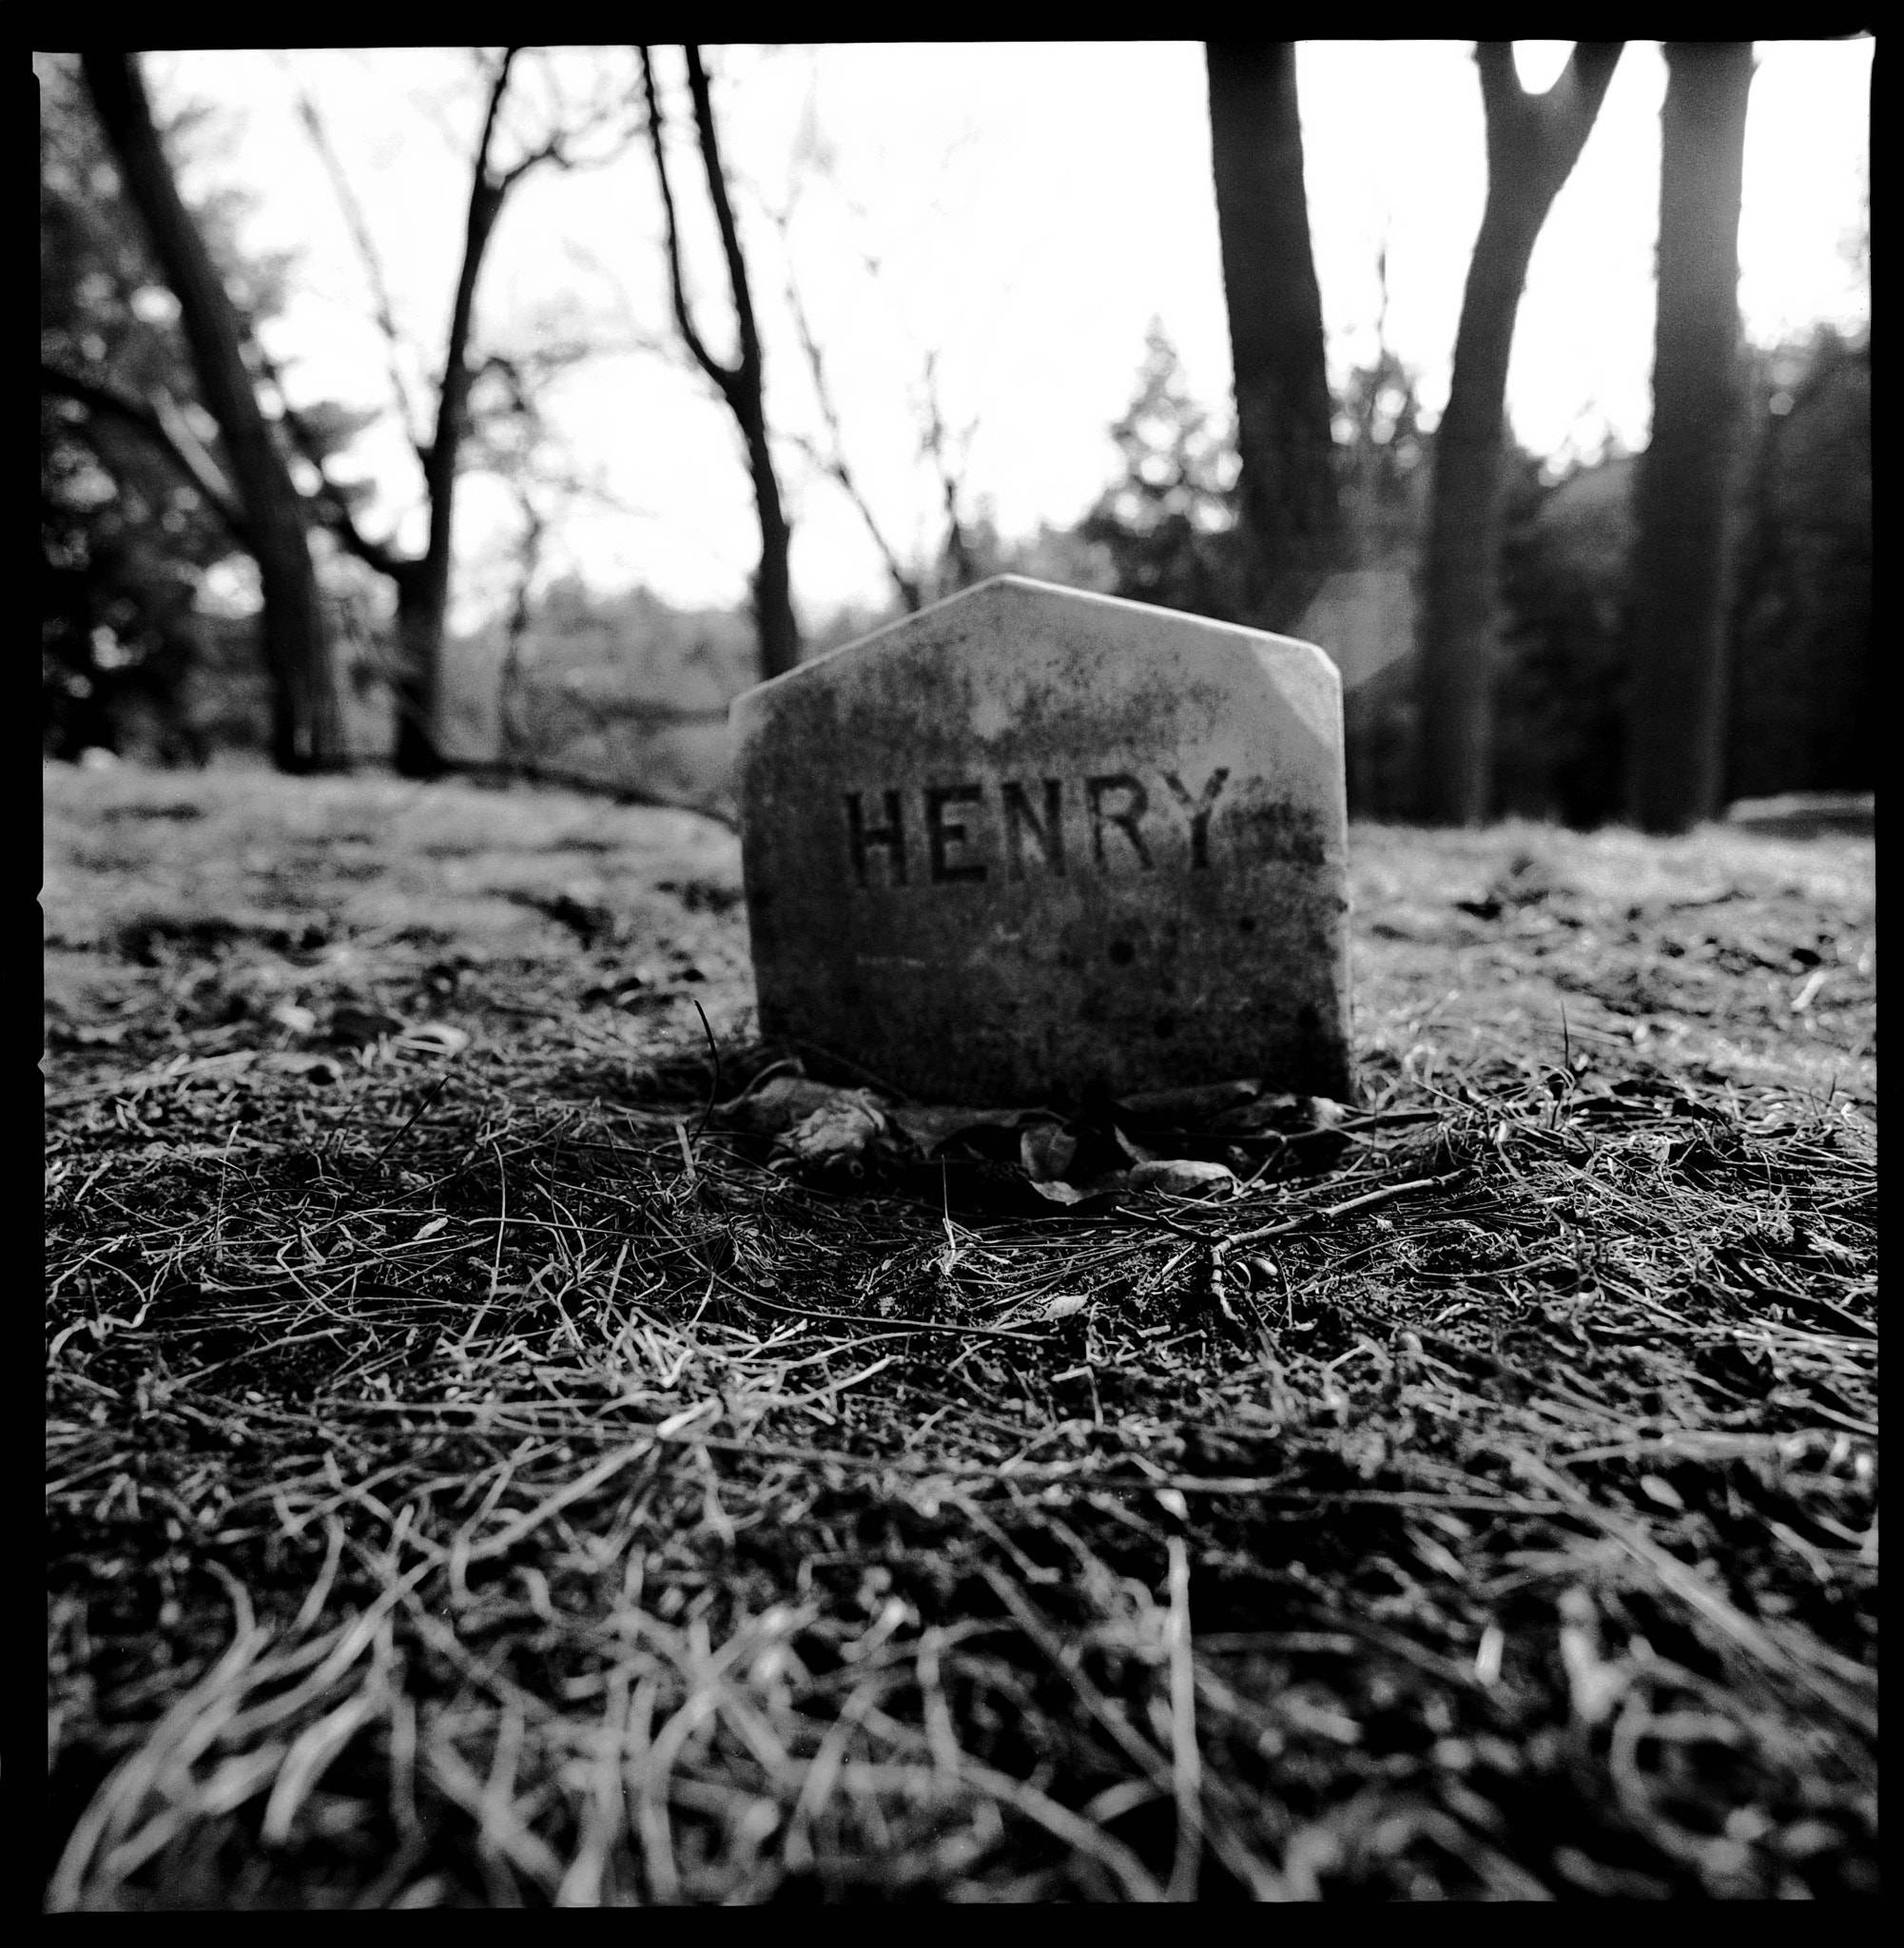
1283,432
739,385
514,442
1676,717
423,582
306,724
958,566
1533,141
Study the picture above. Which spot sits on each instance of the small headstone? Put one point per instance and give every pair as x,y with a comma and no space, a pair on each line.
1033,844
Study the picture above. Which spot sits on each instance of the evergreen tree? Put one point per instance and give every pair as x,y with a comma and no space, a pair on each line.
137,501
1168,525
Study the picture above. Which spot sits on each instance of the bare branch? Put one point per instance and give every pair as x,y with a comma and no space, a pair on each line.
724,216
950,477
637,339
720,374
373,266
833,462
572,129
330,505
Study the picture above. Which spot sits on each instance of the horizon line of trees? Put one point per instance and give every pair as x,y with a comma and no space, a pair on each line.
167,441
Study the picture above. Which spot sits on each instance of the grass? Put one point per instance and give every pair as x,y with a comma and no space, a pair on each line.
483,1470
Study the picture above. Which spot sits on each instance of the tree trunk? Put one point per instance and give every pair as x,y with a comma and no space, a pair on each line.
744,389
740,384
772,585
424,589
1290,511
1677,710
306,726
1460,566
422,604
1533,143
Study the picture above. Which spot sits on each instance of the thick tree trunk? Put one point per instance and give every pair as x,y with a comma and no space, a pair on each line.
1677,710
1460,567
422,604
1290,502
307,731
1533,143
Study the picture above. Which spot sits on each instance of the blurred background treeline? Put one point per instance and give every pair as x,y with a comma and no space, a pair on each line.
151,617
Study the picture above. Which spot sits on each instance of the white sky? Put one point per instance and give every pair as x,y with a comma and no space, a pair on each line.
1029,208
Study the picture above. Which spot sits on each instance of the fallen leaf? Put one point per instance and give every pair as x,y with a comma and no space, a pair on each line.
777,1104
836,1133
931,1124
1046,1150
435,1038
1184,1177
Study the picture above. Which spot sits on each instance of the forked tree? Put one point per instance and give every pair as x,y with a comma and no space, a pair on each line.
1533,141
1676,717
423,581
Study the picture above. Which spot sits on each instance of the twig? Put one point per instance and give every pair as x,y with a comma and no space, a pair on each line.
1186,1760
1414,1187
801,1312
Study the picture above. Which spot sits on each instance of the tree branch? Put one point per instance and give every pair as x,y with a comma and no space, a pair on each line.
166,430
720,374
485,205
607,111
1542,134
329,505
373,266
749,372
933,445
834,463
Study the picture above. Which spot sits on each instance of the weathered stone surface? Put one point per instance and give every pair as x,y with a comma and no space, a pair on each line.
1033,844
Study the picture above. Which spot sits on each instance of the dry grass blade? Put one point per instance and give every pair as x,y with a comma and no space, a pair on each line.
1186,1761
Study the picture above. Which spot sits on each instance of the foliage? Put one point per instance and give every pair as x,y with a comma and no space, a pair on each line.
124,538
1804,684
1382,452
1560,701
1169,523
1800,632
127,538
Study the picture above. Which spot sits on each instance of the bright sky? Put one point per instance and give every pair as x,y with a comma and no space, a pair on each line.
1019,212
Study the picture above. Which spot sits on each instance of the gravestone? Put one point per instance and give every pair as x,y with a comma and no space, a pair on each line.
1037,846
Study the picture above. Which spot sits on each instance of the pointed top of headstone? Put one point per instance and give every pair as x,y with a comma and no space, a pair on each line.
1033,843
